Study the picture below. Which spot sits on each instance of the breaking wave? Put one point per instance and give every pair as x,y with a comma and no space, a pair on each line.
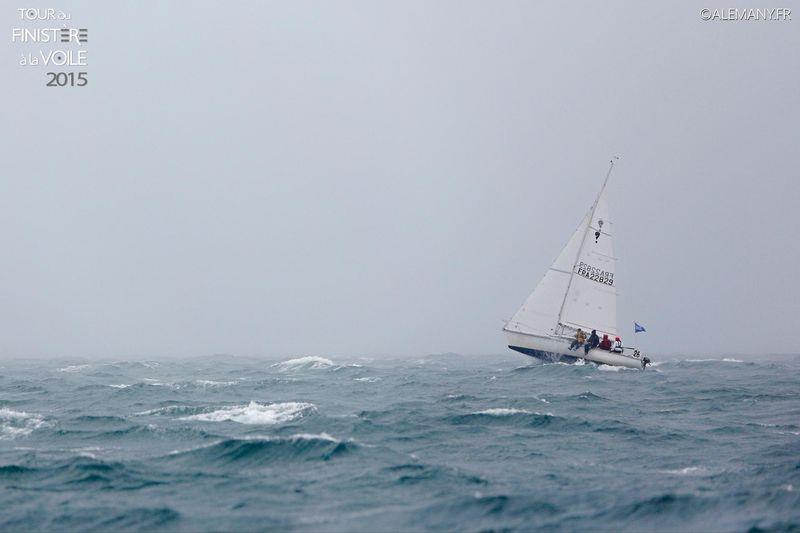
74,368
303,363
504,415
212,383
257,413
610,368
688,471
18,423
504,411
253,451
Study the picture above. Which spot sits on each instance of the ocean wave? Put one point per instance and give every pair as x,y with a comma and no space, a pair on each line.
99,419
723,360
371,379
504,411
310,362
256,413
412,473
253,451
74,368
488,512
79,472
661,506
505,415
347,366
23,387
152,382
688,471
553,397
590,396
150,365
103,429
459,397
174,385
212,383
611,368
172,410
15,424
137,518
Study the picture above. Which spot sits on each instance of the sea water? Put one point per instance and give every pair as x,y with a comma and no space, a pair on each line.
434,443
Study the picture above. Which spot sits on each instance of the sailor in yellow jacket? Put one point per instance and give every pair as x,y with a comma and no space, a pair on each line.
580,338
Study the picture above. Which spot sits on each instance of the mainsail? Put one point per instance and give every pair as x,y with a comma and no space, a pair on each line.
579,288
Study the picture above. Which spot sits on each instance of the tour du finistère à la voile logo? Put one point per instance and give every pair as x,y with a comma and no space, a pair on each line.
51,42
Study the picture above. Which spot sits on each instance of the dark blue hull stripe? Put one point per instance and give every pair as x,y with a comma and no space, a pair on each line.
550,357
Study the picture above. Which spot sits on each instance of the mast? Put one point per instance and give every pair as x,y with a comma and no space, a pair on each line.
583,242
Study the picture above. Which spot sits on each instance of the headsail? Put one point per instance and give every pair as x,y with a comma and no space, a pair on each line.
579,288
540,312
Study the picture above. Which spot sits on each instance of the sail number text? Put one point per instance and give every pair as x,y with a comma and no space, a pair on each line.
595,274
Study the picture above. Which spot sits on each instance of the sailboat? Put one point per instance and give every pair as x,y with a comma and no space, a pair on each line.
579,290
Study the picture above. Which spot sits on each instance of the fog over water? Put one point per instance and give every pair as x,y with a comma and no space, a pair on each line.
330,178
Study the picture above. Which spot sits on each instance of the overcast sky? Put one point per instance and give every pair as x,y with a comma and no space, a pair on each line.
351,178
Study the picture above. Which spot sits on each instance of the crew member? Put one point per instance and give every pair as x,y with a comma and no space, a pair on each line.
580,338
605,344
594,340
617,347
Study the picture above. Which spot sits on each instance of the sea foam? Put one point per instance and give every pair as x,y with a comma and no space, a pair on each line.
310,362
504,411
256,413
74,368
18,423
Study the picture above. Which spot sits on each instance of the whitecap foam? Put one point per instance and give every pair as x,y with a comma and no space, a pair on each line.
371,379
350,365
158,383
256,413
74,368
310,362
504,411
308,436
688,471
297,437
611,368
212,383
18,423
87,451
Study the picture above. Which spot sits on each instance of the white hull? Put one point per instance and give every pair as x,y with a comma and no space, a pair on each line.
557,349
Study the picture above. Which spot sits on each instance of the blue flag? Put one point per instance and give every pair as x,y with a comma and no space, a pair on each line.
638,327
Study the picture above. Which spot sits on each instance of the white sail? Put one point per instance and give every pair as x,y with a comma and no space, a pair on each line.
579,288
591,300
539,313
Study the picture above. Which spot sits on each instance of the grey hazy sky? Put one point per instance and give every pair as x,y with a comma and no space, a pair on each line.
394,177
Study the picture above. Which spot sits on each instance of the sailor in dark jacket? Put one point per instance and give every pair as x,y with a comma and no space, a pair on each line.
593,341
